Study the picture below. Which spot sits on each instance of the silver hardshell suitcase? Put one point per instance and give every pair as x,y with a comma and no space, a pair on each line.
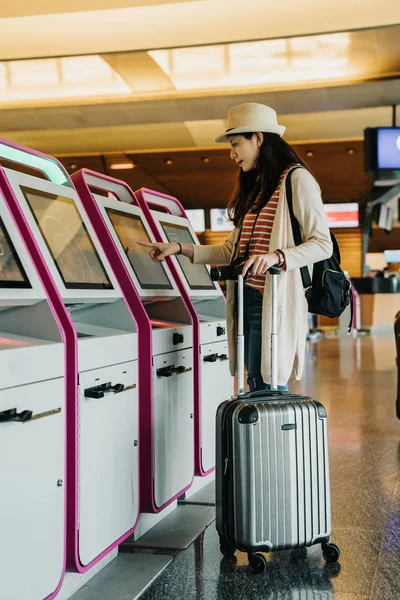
272,467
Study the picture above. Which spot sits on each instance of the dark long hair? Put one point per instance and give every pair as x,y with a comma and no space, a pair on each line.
275,156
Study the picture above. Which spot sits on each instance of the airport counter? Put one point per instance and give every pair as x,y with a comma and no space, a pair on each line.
379,300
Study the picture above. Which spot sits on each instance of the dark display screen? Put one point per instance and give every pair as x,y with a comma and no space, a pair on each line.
196,275
130,230
68,240
12,274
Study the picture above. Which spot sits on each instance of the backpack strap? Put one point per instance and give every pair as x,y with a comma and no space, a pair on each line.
305,273
349,328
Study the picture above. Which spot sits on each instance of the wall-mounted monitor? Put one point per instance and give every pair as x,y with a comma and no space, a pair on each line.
130,230
12,273
196,275
68,240
197,219
343,214
219,220
388,146
382,152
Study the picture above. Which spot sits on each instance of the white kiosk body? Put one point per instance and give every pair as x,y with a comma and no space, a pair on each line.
32,428
165,360
103,453
215,380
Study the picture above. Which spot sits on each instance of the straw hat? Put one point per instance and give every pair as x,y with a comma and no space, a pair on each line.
249,118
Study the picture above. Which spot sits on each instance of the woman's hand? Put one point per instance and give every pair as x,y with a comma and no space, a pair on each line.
259,264
159,251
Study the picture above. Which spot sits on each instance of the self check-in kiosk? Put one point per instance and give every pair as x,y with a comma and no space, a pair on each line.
102,369
165,339
214,383
32,427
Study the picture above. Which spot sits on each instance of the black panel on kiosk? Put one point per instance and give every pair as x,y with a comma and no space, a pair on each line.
12,274
197,275
68,240
130,230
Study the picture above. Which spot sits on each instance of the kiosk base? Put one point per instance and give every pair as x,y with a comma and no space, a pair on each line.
126,576
177,531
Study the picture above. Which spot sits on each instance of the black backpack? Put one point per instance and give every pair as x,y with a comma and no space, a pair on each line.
329,292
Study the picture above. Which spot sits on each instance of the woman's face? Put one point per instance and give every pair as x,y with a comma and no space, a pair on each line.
246,152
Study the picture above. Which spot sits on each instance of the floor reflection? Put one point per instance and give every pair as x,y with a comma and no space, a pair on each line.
356,380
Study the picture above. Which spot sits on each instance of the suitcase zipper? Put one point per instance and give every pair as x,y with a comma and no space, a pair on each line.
226,466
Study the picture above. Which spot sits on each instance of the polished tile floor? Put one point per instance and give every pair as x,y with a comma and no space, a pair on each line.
356,380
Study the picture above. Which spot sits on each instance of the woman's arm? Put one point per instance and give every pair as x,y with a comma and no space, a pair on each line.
309,211
217,254
158,251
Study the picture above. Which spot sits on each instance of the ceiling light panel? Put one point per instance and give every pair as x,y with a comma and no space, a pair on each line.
33,73
254,55
289,63
187,61
285,61
80,69
58,79
3,77
122,166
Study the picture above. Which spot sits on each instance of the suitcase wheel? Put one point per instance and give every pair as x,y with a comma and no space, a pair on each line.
330,552
227,551
257,563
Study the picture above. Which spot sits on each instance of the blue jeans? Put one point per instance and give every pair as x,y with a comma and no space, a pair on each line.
252,321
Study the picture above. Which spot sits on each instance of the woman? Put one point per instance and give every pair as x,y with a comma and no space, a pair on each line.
263,237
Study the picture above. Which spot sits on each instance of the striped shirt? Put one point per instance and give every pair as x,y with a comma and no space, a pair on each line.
260,237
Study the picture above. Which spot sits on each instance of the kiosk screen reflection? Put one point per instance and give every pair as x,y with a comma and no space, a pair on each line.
12,274
68,240
196,275
130,230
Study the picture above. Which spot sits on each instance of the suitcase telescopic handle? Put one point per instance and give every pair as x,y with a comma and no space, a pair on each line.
274,271
274,327
240,348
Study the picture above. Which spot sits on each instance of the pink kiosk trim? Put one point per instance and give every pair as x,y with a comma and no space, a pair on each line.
71,560
174,207
56,305
132,299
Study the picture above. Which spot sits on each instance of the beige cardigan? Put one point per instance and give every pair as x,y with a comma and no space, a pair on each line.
292,305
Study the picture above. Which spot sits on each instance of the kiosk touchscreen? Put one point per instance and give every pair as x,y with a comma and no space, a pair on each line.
32,427
165,340
102,369
215,383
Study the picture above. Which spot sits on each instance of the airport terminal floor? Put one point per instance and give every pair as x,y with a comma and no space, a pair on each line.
356,380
